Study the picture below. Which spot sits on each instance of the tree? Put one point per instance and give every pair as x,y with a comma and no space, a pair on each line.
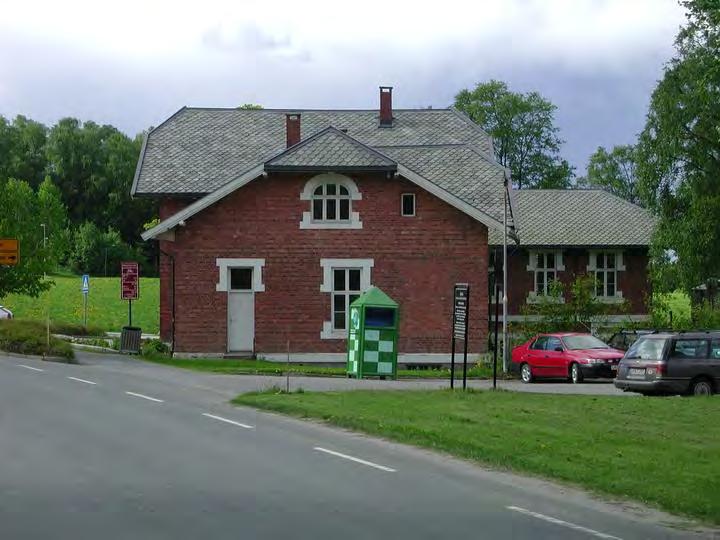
22,150
678,156
523,130
21,213
614,171
250,107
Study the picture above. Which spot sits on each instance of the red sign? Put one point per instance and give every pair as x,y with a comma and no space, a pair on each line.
129,280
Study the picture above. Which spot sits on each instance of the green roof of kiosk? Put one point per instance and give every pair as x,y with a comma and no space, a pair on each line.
375,297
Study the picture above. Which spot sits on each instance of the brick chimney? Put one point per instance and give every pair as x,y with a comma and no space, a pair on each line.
292,128
386,117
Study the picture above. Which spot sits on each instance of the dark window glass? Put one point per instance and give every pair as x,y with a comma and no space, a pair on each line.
549,260
343,190
600,283
552,344
610,260
540,260
408,204
317,209
611,283
241,279
715,349
354,279
318,190
600,260
331,209
339,319
539,343
338,280
330,189
344,208
540,288
690,348
339,302
353,297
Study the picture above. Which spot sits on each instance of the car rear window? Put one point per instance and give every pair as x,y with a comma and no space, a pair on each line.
647,349
577,343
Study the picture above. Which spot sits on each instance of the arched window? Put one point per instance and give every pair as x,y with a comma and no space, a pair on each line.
331,202
330,198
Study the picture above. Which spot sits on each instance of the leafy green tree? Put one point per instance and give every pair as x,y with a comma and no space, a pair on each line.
250,107
100,252
21,213
614,171
524,133
678,157
22,150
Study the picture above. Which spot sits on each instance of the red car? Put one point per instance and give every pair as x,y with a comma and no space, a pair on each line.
567,356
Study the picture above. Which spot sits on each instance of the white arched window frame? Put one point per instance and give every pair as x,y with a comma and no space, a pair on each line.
330,199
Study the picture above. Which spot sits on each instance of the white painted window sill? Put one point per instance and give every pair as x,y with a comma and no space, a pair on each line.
329,333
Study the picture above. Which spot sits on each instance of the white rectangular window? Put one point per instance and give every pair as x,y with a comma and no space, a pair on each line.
407,204
605,274
346,289
545,272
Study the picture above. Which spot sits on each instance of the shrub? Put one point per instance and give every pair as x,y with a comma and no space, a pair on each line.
30,337
155,347
74,329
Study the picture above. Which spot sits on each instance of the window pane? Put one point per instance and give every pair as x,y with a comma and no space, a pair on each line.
338,302
600,260
338,280
539,282
610,283
408,205
317,209
552,344
611,260
318,190
690,348
339,320
352,298
241,279
330,189
715,349
550,260
344,208
343,190
549,278
540,261
600,284
354,279
331,208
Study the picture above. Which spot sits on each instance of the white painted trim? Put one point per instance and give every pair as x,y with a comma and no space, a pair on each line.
449,198
402,196
365,265
532,259
619,267
330,178
225,264
201,204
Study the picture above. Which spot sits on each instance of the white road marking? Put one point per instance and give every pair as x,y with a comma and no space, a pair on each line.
81,380
567,524
233,422
356,460
30,367
145,397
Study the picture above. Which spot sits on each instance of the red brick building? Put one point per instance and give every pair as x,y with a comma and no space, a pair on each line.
273,221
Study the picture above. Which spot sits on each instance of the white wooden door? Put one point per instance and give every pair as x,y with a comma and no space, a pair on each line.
241,312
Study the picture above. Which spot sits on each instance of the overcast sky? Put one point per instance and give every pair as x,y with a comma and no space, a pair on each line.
133,63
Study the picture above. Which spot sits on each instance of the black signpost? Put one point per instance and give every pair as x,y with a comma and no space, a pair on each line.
461,309
496,347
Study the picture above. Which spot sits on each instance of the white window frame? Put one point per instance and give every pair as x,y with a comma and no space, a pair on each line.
533,297
328,265
402,207
308,194
225,264
619,267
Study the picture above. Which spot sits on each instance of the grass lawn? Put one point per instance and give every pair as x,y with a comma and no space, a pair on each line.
661,451
30,337
105,309
263,367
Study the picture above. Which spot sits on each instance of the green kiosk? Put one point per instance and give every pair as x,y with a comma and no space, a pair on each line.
373,336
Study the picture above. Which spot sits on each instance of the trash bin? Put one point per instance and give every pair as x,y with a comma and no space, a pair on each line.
373,336
130,339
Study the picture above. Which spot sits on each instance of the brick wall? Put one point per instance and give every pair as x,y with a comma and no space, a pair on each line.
633,282
416,261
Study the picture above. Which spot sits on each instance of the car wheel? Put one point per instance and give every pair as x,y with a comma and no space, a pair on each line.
526,373
701,387
576,375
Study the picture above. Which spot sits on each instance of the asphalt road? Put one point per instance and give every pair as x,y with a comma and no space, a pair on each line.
99,452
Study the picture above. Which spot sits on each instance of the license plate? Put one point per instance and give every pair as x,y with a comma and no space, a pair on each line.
636,373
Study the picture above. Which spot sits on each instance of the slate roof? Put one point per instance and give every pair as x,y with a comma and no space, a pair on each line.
577,217
197,150
330,149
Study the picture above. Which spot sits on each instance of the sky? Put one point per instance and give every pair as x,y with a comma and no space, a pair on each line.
134,63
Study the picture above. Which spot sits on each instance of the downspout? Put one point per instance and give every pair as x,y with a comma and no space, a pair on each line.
172,290
505,297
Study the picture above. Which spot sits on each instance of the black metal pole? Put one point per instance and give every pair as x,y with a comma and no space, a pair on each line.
497,323
467,327
129,312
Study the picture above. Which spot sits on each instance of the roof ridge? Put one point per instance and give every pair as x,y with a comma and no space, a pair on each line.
301,109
